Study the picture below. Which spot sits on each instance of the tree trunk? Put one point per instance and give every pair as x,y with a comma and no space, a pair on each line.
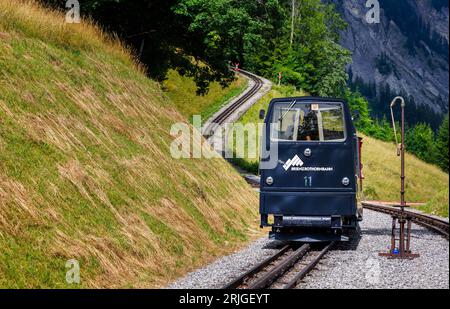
141,50
293,22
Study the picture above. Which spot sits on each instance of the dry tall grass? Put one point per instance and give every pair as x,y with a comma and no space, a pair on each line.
49,26
85,166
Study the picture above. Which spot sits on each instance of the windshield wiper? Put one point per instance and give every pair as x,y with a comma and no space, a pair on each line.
288,110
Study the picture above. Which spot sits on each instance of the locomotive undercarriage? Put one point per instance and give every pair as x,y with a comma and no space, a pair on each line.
311,228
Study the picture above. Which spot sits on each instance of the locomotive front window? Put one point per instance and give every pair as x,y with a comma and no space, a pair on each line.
322,122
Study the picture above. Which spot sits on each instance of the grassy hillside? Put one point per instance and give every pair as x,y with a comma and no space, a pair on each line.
85,167
181,91
424,182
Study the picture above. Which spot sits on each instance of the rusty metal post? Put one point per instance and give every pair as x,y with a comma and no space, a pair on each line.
402,150
404,234
360,172
402,237
394,227
408,240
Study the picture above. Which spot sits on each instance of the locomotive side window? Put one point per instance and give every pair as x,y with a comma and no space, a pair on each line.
322,122
333,124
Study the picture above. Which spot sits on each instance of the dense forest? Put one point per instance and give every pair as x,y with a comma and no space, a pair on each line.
263,36
300,38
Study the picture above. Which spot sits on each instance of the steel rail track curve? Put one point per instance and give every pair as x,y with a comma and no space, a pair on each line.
437,225
221,119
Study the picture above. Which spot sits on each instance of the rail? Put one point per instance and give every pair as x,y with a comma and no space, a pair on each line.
283,270
436,224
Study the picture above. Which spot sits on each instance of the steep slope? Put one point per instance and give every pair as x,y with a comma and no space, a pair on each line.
85,166
407,51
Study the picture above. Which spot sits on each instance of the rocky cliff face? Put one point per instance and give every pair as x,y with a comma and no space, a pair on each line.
407,50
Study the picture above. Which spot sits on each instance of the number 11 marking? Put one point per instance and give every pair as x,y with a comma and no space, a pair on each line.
308,181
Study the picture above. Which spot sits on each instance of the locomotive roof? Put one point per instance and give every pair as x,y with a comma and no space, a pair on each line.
310,98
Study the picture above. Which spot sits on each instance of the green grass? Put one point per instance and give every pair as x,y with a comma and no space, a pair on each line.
85,165
181,90
425,183
438,205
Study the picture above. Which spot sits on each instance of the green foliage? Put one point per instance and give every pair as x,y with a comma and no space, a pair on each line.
370,193
441,149
381,129
291,76
237,31
420,140
358,103
431,148
199,38
422,122
332,77
315,62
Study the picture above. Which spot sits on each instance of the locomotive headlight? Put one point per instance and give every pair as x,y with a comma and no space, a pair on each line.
307,152
269,181
345,181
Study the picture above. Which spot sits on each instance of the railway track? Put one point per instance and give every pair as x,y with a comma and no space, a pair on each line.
288,266
284,269
435,224
222,118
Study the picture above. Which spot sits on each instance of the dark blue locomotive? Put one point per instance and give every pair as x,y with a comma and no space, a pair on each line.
309,192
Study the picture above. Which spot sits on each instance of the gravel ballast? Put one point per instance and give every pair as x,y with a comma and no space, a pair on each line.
358,265
349,265
224,270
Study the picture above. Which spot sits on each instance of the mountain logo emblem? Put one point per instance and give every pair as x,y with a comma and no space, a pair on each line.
294,162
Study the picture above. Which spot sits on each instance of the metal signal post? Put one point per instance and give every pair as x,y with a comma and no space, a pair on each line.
403,251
